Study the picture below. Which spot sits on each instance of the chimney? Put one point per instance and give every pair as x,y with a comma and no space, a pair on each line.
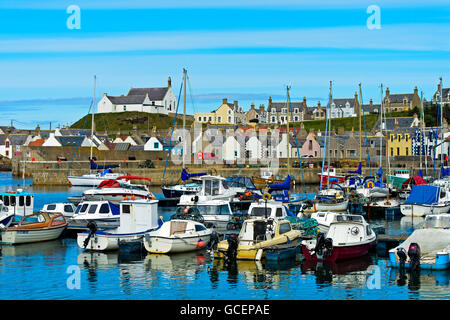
235,103
261,108
439,87
304,102
169,82
415,90
224,101
252,107
318,104
371,102
270,101
387,92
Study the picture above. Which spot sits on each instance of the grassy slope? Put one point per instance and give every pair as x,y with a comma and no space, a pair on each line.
125,121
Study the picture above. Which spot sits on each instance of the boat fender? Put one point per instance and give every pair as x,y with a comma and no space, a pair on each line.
370,184
259,255
414,256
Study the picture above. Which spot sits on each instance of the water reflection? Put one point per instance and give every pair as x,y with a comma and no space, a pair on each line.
421,279
350,273
408,223
46,249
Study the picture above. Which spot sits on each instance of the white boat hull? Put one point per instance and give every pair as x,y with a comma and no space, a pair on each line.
28,236
86,181
341,206
107,242
420,210
159,244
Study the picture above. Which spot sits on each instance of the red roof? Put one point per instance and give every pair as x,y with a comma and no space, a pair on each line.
36,143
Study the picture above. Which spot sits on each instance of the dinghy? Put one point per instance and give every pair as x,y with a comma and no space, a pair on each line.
177,236
6,217
40,226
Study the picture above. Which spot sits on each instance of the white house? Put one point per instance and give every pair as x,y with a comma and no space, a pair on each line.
63,141
151,100
231,149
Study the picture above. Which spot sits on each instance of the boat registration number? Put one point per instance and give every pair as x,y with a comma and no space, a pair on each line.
22,231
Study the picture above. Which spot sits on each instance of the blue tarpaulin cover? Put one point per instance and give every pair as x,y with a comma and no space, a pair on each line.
357,171
285,185
95,166
424,194
186,176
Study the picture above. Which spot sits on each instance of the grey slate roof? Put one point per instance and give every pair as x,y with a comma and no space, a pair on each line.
398,98
134,99
122,146
70,140
8,129
71,132
2,139
371,108
165,141
17,139
135,148
340,103
390,123
153,93
292,105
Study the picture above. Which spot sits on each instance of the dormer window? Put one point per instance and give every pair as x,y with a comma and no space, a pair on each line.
153,103
296,110
283,110
274,110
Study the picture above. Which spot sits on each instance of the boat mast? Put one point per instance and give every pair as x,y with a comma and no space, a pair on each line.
423,134
329,133
93,123
184,114
442,123
381,131
360,108
420,132
287,123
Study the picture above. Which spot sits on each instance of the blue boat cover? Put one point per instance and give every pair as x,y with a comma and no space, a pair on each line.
423,194
444,172
289,212
420,173
115,209
95,166
285,185
186,176
357,171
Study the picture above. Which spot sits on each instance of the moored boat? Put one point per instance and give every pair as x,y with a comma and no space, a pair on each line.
426,199
38,227
6,217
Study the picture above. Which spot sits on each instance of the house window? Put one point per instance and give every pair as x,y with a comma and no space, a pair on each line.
156,145
273,110
124,108
398,151
296,110
406,137
153,103
273,119
204,118
407,152
284,110
392,151
296,118
219,119
7,144
392,138
229,119
199,119
209,119
310,145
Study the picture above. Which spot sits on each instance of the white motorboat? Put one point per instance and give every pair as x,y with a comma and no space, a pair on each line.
118,190
213,188
426,199
137,217
67,209
331,205
269,209
348,236
6,217
177,236
216,213
93,179
18,202
104,213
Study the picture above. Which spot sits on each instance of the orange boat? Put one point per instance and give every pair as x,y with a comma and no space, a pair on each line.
41,226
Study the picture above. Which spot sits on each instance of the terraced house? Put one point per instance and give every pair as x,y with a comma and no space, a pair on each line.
226,114
277,112
401,101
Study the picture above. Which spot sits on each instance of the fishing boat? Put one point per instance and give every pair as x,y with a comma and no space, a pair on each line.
18,202
329,204
265,179
330,175
67,209
177,191
104,213
40,226
399,177
213,188
177,236
255,236
6,217
426,199
428,248
137,218
347,237
371,188
215,213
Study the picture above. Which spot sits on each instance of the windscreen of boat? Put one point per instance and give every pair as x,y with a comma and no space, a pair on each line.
81,209
284,227
68,208
214,210
51,207
92,208
260,212
177,227
104,208
32,219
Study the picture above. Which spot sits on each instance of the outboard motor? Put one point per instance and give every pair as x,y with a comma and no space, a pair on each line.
213,241
328,246
414,256
233,243
401,253
307,204
320,244
92,226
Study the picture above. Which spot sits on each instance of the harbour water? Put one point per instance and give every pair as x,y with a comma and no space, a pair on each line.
51,270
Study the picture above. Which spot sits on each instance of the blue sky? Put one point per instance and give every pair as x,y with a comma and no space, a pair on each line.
244,50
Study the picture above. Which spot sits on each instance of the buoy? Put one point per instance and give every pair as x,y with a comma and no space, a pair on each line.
200,243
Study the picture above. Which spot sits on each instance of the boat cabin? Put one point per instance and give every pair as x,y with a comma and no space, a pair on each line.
326,218
258,230
19,202
96,210
271,209
402,173
213,186
138,216
66,208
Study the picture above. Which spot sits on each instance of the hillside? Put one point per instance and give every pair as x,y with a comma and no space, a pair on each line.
126,121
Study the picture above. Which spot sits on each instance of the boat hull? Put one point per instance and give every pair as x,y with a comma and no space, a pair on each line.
160,244
171,193
420,210
98,243
30,235
340,253
323,206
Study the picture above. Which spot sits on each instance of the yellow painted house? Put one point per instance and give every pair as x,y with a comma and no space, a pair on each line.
226,114
399,144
